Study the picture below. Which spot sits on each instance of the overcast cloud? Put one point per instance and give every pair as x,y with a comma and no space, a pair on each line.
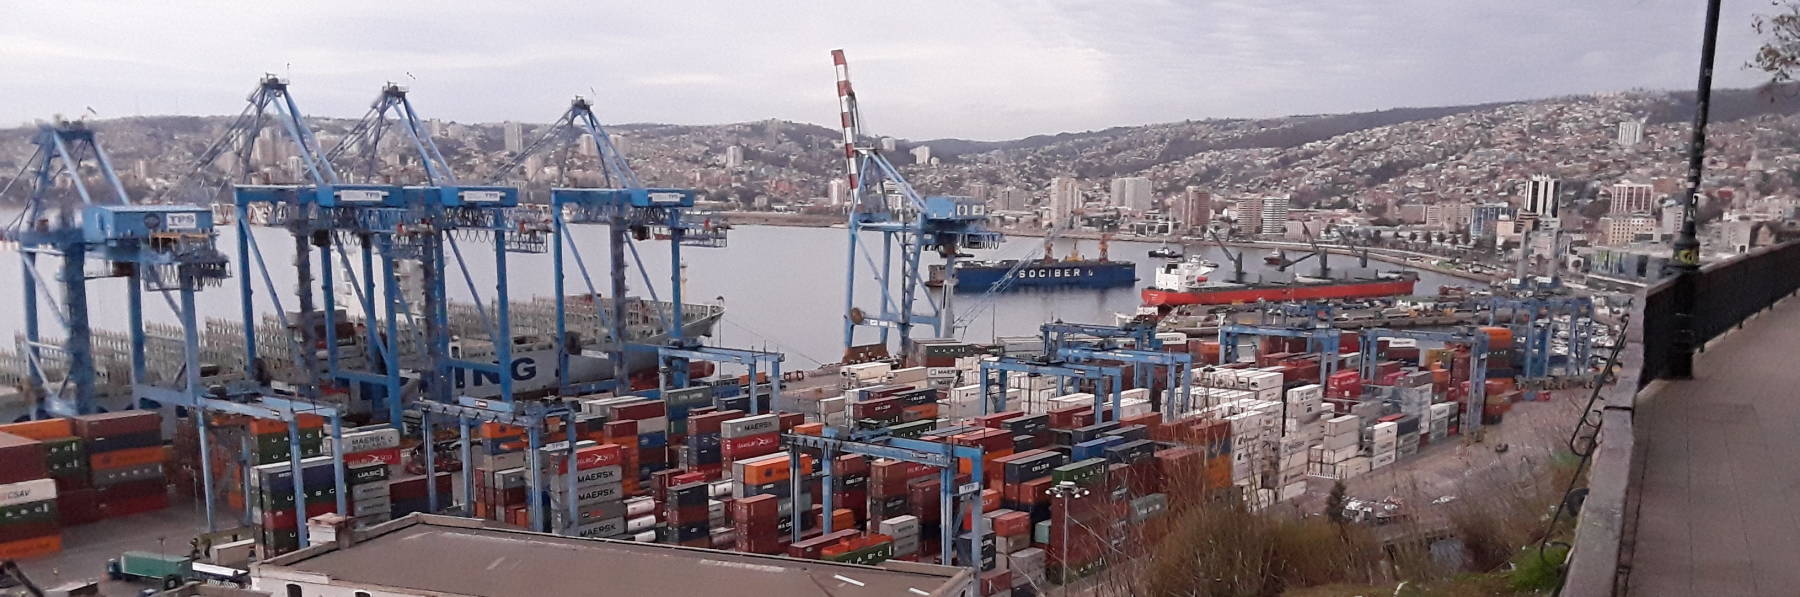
923,69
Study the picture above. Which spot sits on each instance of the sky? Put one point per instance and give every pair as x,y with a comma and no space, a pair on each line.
922,69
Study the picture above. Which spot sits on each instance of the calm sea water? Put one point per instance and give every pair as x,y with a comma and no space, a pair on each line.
783,288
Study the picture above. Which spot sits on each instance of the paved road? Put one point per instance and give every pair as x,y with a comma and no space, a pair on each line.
1720,490
87,547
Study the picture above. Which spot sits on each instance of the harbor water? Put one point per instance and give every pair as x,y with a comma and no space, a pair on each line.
783,287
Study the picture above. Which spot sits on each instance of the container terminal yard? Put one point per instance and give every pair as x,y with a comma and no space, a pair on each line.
366,435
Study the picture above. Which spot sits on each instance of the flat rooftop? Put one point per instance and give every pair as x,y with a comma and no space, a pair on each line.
460,556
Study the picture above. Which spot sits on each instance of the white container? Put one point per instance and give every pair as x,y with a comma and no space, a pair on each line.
907,375
25,492
865,372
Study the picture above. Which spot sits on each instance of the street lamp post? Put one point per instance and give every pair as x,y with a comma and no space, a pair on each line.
1686,263
1068,491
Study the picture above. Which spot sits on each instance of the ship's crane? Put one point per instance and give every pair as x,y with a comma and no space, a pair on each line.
1236,257
885,207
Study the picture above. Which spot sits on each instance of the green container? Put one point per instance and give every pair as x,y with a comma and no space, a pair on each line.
867,556
279,441
913,429
66,470
275,455
1086,472
28,512
67,449
144,564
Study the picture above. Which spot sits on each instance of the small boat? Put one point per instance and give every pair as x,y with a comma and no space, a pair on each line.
1165,252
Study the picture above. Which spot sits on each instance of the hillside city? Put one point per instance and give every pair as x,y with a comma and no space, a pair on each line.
1596,175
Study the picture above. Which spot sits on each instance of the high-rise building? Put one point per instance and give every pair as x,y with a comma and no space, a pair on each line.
1194,210
1672,218
734,157
1623,230
1484,218
888,144
1540,197
1274,214
1247,213
1631,133
271,147
514,135
1065,197
1133,193
534,166
1011,199
922,155
839,191
1631,198
586,147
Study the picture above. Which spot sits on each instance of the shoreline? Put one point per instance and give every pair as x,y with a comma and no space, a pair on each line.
796,220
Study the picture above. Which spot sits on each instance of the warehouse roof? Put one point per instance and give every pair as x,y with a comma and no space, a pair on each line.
461,556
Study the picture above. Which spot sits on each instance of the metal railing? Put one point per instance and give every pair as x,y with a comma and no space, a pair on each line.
1728,293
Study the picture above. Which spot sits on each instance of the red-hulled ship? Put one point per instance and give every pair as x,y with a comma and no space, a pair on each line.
1185,283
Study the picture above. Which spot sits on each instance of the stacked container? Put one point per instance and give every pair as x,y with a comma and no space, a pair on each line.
371,499
686,518
77,502
1075,547
599,489
277,510
749,437
28,522
125,458
1383,444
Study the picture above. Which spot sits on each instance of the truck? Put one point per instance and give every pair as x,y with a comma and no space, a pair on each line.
168,571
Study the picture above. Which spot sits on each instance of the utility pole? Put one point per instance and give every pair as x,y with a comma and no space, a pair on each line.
1686,263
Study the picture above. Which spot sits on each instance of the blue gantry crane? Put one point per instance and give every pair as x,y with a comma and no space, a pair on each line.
447,210
1322,340
630,211
1476,340
885,207
953,500
1539,319
164,249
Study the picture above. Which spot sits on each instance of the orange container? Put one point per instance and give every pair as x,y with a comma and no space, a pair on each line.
31,548
843,518
263,426
809,429
1498,337
40,430
117,459
494,430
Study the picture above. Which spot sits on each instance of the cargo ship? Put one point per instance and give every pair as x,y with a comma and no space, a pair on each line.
1047,272
1186,283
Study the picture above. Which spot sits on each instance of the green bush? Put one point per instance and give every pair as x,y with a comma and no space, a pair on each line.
1535,572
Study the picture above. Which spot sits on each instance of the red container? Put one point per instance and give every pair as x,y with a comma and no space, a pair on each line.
21,459
123,422
750,446
78,506
134,505
996,582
